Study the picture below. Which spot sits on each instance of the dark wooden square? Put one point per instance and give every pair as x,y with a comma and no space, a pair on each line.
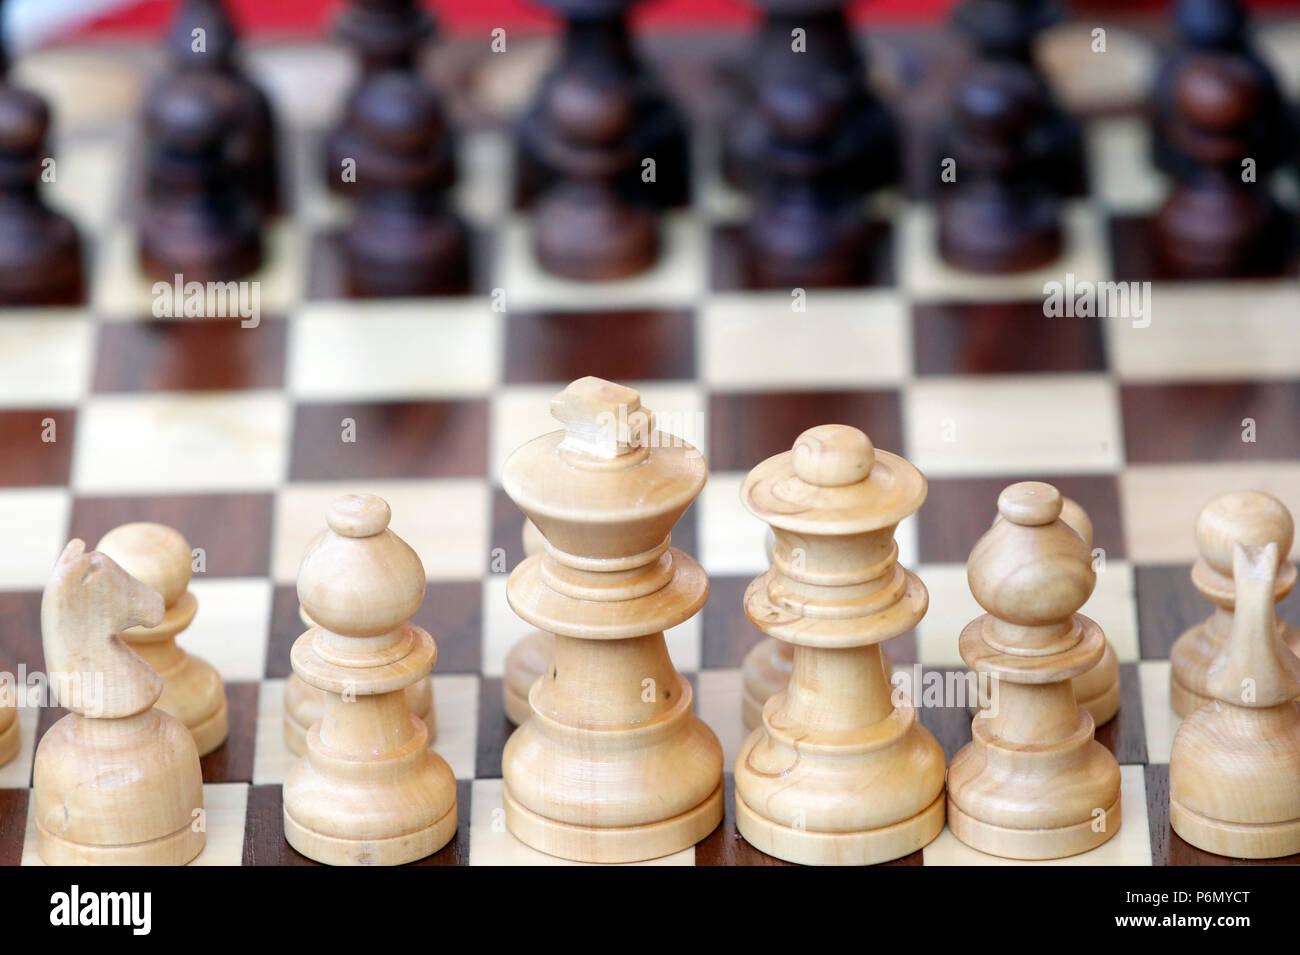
975,338
201,354
234,530
1173,423
416,439
745,429
624,346
36,447
959,511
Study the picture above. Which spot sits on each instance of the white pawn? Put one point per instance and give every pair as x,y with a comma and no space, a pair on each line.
192,689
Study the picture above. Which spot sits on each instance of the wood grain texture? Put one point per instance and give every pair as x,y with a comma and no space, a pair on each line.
369,791
116,781
1033,783
808,778
1234,770
612,764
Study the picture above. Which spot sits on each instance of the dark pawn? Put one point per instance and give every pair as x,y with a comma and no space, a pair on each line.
596,43
809,227
386,36
867,134
1005,31
1219,26
998,216
584,228
40,254
1214,224
197,221
404,238
253,153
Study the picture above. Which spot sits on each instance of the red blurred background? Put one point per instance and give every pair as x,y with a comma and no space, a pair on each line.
468,16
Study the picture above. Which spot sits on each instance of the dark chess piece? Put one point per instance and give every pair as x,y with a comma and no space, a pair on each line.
1218,221
404,238
584,226
867,136
809,227
198,219
1005,30
215,49
1220,26
998,216
40,252
387,36
596,42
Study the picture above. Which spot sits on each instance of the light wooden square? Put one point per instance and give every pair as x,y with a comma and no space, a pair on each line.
421,348
1158,717
231,629
191,442
1161,502
45,357
1119,158
1209,331
1057,424
36,526
844,340
732,541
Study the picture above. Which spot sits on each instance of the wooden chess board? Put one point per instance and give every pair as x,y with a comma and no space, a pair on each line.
233,435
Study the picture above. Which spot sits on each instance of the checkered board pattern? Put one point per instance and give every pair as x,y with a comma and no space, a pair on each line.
233,435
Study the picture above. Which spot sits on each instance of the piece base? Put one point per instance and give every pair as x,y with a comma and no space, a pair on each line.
864,847
396,850
178,848
1235,840
212,732
10,741
1032,843
608,845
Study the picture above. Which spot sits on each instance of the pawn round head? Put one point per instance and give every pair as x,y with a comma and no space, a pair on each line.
800,110
999,100
1211,23
1217,92
1253,518
833,455
1031,568
399,111
188,114
359,579
24,121
153,554
589,110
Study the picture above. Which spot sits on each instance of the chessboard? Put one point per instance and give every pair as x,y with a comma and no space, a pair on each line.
234,435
